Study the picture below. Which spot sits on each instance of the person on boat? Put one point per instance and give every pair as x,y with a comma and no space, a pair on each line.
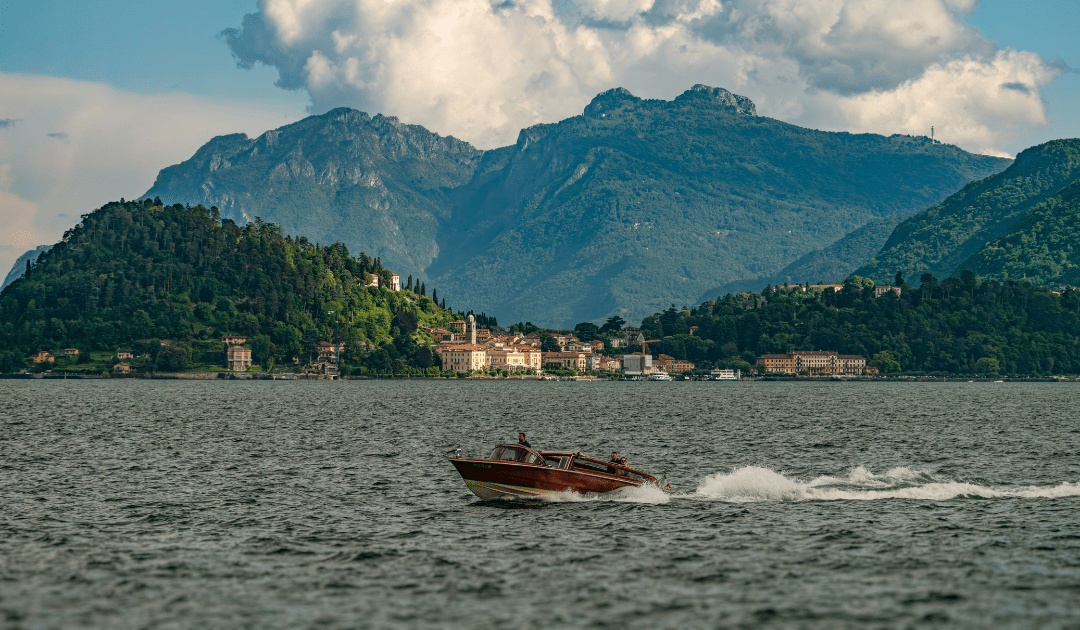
614,460
622,462
522,441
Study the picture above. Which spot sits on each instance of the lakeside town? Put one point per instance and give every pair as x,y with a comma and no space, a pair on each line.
467,350
463,349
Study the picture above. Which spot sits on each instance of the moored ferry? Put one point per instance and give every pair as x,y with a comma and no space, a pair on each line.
514,470
659,376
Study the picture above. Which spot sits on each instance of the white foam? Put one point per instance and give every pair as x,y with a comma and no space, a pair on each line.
754,483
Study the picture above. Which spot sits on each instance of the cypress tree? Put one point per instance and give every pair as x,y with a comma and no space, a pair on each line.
435,296
423,288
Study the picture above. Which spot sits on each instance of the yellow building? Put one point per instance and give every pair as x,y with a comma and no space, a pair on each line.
464,358
565,360
44,357
238,358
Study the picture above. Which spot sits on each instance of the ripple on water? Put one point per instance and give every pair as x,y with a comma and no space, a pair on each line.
249,504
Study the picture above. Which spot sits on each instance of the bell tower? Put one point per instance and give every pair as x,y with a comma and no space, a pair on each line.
470,326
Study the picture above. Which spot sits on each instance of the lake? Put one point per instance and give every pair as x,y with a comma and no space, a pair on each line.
318,504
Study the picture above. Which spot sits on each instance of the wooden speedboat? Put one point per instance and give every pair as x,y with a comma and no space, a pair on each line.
513,470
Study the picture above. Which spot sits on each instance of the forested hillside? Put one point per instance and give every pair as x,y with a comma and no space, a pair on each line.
134,271
956,326
940,239
622,210
1043,246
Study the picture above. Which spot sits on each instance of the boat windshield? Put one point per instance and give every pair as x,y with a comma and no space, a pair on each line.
515,454
556,461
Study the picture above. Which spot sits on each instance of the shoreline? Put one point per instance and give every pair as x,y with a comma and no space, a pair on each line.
242,376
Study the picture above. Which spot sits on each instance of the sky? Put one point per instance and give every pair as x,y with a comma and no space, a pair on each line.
97,97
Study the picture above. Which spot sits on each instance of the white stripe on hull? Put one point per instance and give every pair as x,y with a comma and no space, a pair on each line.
488,490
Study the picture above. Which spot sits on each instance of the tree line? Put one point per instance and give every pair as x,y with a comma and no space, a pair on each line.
956,326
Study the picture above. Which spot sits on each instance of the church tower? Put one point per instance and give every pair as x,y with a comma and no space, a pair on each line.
471,328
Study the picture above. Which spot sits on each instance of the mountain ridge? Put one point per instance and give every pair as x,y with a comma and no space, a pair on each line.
623,209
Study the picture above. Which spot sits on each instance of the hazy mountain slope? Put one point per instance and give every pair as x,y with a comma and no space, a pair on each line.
629,207
832,264
373,183
19,268
939,239
1043,246
638,204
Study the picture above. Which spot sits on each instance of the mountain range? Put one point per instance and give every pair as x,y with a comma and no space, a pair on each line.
632,206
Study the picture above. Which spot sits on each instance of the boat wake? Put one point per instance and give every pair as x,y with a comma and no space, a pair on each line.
754,483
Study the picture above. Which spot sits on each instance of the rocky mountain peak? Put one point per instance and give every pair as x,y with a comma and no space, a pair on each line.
609,101
717,97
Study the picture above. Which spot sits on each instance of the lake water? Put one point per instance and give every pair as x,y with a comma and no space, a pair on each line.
172,504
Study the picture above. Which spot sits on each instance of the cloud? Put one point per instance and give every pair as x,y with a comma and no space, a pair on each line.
483,69
113,145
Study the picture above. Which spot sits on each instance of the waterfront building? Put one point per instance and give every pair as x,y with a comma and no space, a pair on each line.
671,365
813,362
464,357
508,360
328,352
238,358
565,360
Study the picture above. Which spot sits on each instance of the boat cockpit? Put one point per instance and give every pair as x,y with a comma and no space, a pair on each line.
564,460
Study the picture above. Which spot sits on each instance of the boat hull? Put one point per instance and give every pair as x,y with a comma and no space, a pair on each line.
493,479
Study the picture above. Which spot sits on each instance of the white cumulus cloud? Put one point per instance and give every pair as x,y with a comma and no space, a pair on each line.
68,147
483,69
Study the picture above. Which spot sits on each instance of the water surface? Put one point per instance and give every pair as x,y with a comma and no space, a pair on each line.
172,504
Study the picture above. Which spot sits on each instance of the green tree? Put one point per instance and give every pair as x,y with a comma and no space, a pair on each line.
613,324
262,350
987,366
173,358
406,322
548,343
885,362
586,331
